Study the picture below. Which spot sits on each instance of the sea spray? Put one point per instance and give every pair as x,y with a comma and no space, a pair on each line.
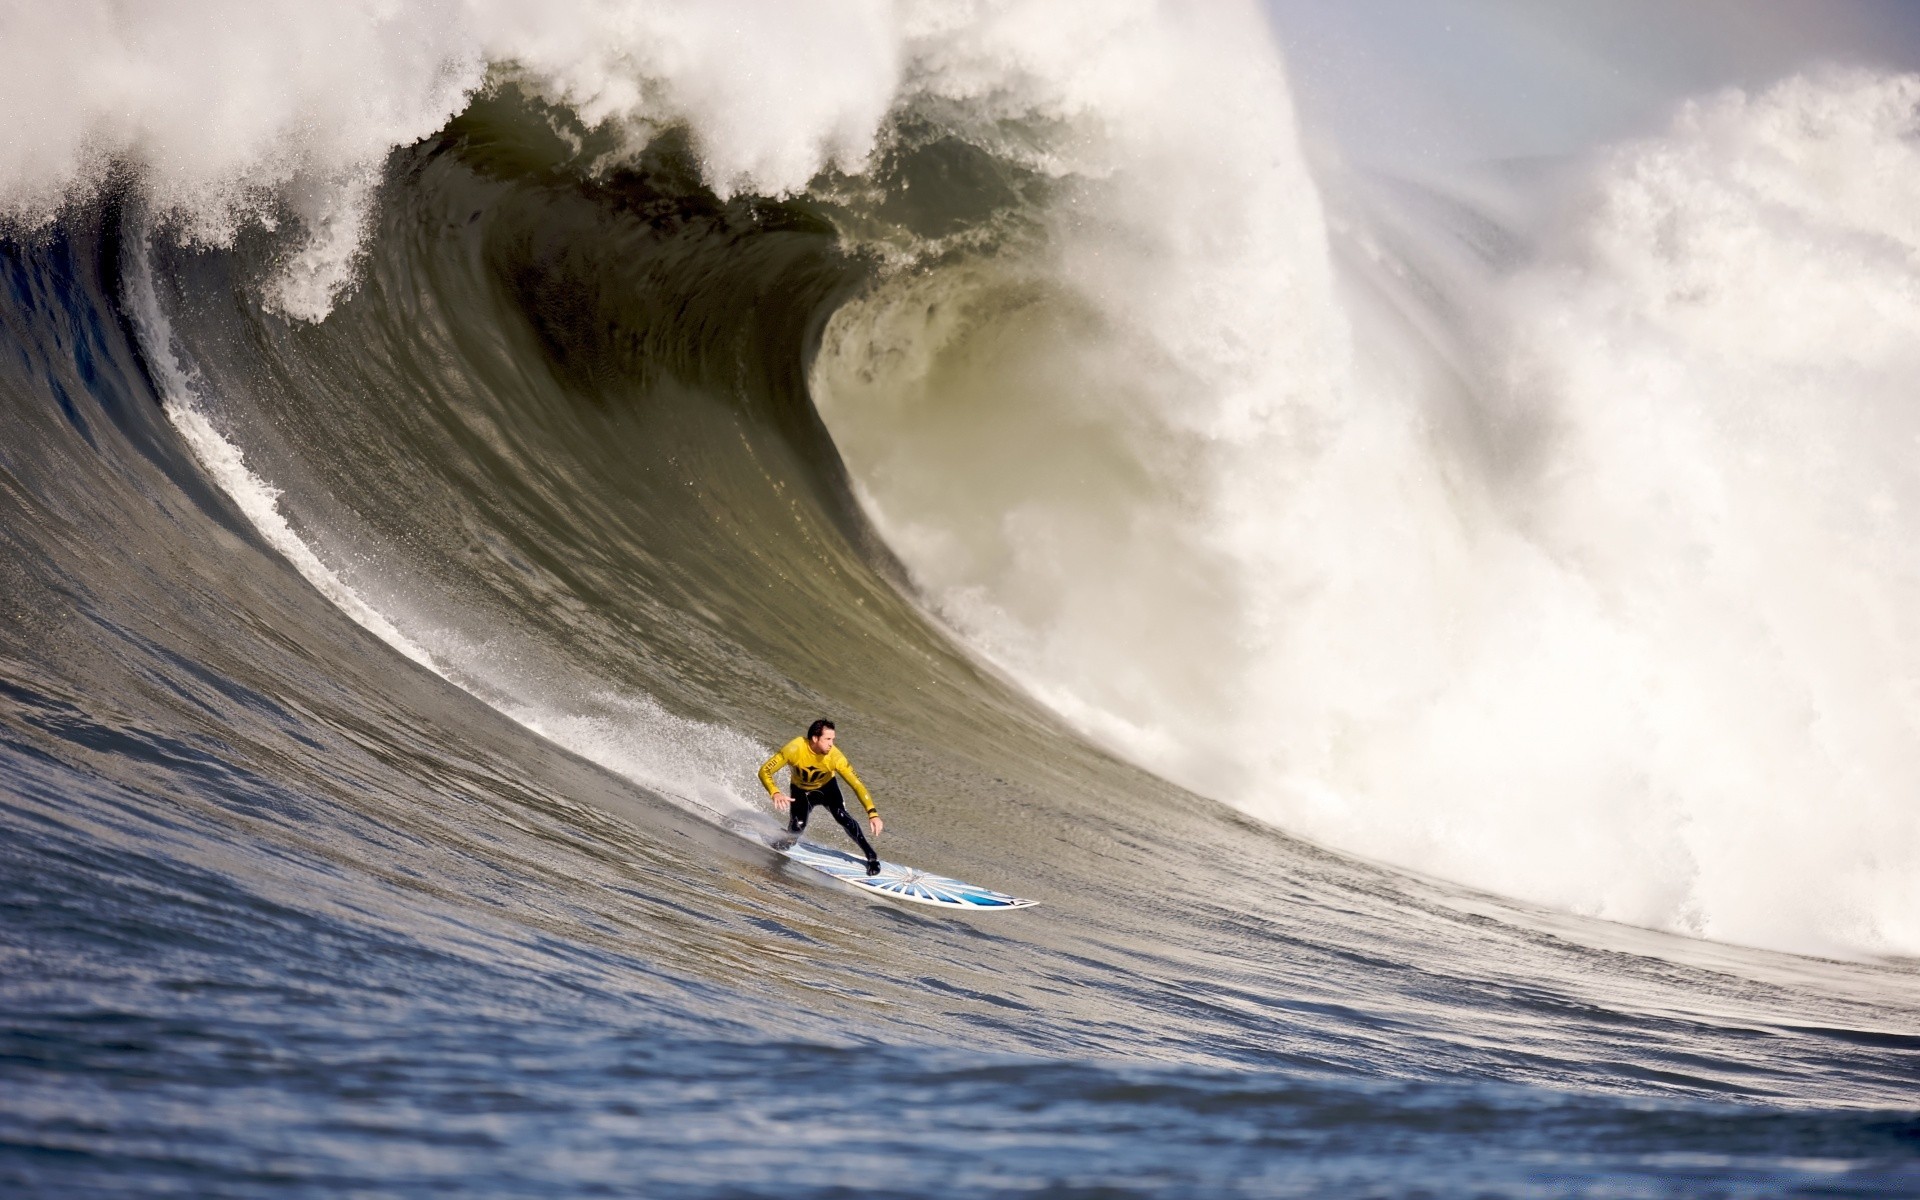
1632,636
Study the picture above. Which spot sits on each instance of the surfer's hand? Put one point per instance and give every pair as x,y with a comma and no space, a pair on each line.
876,824
781,800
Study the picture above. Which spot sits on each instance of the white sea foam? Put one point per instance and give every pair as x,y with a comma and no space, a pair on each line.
1639,637
235,111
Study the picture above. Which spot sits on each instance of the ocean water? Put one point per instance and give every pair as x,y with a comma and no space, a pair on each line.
1435,637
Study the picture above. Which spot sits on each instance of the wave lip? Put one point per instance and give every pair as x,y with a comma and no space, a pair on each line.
284,113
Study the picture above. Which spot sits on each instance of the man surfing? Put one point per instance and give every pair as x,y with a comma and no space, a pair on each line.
812,764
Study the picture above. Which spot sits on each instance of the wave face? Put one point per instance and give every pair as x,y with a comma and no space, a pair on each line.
415,533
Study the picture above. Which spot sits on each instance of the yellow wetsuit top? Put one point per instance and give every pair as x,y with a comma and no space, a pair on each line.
812,771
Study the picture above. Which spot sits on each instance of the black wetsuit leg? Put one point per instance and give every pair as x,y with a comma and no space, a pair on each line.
829,798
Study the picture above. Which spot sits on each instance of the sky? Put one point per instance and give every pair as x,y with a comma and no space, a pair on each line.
1411,84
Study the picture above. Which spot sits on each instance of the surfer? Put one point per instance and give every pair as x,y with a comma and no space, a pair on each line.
813,766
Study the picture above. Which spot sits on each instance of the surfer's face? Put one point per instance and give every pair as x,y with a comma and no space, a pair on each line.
823,743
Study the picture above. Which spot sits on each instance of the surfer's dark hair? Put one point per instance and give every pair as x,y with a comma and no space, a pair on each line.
814,730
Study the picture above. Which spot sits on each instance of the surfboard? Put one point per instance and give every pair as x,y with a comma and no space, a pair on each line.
902,883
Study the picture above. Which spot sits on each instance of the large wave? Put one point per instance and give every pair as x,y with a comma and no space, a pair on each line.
381,691
1579,577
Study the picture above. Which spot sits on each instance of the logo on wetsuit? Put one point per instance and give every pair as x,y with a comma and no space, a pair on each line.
811,779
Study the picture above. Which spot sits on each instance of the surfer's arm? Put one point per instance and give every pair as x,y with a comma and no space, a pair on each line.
767,769
845,769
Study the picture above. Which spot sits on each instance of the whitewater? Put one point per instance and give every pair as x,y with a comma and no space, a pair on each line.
1436,636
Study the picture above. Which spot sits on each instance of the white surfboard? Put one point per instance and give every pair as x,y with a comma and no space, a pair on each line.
903,883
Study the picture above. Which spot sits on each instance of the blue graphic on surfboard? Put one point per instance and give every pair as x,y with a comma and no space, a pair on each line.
902,883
